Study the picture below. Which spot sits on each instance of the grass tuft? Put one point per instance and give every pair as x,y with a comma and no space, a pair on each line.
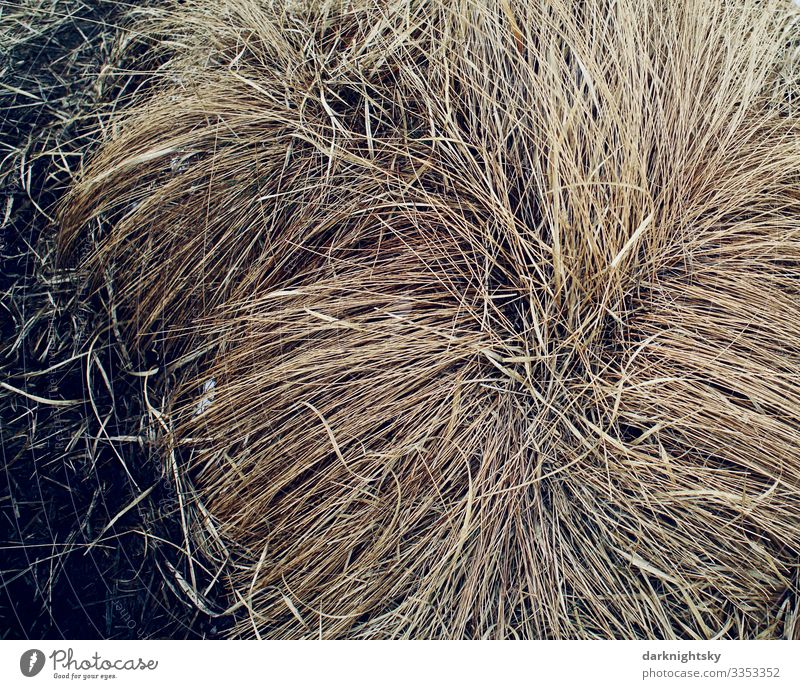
491,309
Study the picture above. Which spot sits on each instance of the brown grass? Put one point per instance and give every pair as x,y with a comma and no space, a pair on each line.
498,306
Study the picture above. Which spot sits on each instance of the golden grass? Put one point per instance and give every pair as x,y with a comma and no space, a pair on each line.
501,302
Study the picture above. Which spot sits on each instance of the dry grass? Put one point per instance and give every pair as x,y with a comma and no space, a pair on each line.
495,308
90,533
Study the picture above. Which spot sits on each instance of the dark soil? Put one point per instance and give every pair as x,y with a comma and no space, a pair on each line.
70,566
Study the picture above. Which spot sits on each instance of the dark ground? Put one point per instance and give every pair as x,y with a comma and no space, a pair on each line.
90,528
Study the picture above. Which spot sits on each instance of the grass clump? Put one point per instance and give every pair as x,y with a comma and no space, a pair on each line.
493,309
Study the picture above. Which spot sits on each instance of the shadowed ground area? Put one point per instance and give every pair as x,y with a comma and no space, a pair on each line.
91,544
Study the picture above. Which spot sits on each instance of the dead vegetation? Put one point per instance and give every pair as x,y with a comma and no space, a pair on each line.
481,319
90,540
